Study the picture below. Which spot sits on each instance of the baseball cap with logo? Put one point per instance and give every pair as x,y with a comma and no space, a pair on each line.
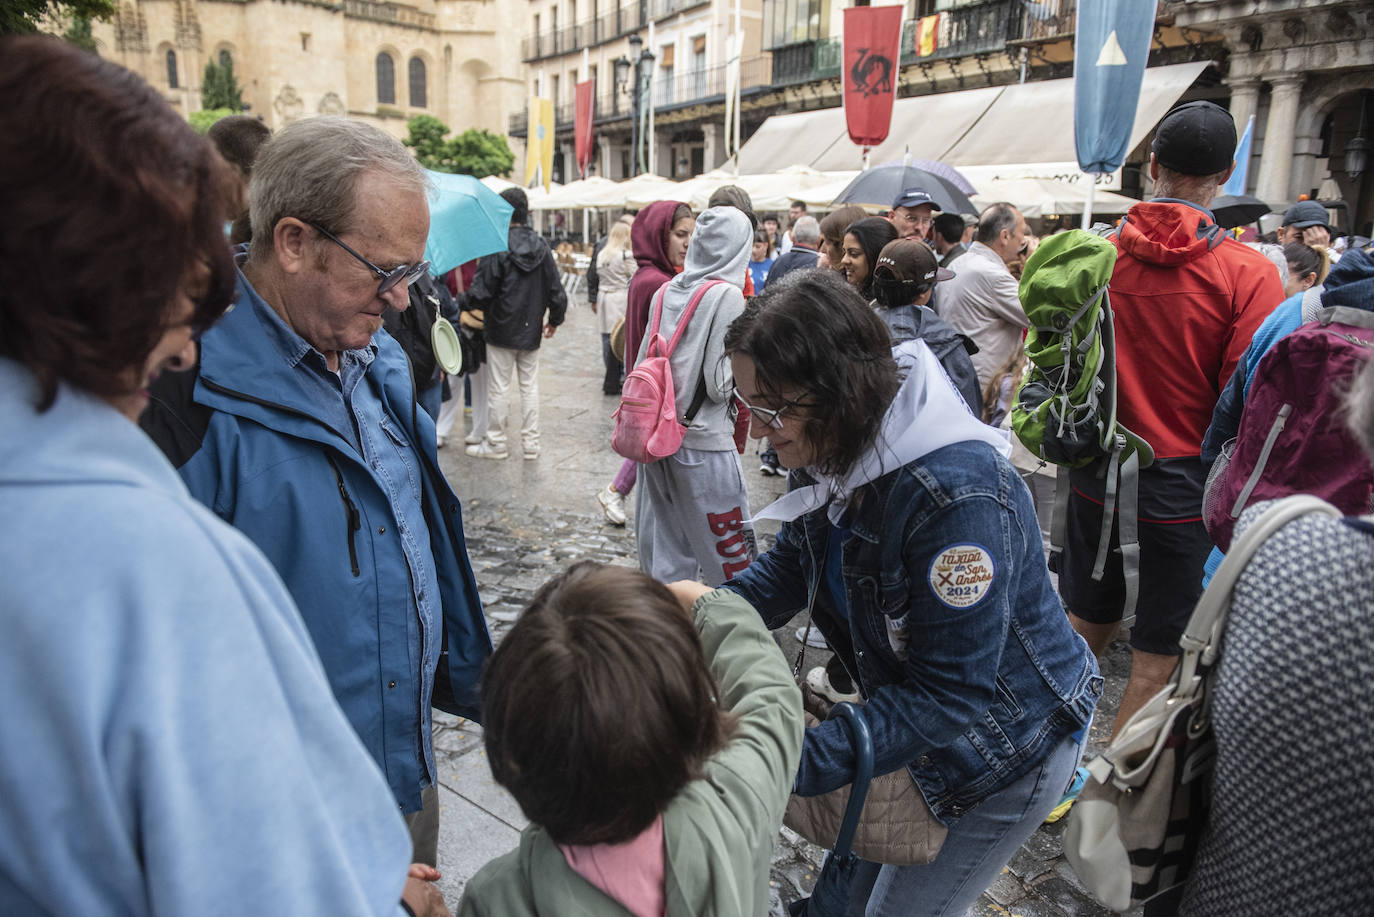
906,269
915,197
1198,138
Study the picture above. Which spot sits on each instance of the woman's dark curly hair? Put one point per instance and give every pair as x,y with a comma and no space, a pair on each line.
111,203
812,333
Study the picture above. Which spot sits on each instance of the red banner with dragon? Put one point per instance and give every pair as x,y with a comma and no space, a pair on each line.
872,48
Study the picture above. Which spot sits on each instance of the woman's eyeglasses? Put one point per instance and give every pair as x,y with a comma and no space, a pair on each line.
402,273
769,417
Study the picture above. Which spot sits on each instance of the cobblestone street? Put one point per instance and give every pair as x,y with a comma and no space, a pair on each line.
526,519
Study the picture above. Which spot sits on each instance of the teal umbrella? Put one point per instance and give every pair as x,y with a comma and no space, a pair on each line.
466,220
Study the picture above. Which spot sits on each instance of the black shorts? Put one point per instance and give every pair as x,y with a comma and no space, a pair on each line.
1174,545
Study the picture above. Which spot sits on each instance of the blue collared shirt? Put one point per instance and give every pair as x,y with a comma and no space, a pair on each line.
348,402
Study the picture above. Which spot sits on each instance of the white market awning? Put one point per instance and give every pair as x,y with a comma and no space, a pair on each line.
1042,197
1019,131
1038,118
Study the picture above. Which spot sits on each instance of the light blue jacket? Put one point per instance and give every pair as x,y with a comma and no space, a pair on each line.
271,449
168,743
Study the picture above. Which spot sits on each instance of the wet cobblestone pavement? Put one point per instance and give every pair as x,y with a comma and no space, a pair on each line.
526,519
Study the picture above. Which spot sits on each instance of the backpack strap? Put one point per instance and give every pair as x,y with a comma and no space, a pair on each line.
686,313
699,396
655,314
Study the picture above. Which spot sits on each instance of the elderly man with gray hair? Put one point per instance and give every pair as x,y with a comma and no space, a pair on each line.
805,250
299,427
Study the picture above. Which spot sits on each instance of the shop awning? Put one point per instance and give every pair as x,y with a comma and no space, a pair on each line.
1038,118
1014,128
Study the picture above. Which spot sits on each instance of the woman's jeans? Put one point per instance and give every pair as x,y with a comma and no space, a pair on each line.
978,845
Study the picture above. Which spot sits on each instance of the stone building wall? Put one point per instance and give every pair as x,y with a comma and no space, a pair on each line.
296,58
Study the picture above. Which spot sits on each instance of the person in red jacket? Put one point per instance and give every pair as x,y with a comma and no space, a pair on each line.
1187,299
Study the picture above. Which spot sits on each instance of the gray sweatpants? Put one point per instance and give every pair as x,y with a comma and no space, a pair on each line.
692,514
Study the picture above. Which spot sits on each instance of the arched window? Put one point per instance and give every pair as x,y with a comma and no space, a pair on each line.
225,60
386,79
172,82
417,83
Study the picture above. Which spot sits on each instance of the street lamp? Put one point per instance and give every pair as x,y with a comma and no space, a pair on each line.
621,66
641,59
1357,150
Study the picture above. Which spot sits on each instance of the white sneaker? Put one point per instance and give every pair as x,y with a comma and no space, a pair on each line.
612,504
441,441
485,449
815,639
820,685
531,452
475,437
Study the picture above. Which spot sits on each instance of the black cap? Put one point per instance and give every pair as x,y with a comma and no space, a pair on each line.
914,197
1304,214
906,268
1198,138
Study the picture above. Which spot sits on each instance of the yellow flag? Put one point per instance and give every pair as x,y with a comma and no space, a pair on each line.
927,31
539,142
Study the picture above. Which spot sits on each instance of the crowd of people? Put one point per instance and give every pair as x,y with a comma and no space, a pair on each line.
235,515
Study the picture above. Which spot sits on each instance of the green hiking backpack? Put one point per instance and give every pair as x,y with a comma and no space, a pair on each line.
1065,410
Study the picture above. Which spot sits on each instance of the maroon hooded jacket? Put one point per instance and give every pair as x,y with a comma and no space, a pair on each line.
649,242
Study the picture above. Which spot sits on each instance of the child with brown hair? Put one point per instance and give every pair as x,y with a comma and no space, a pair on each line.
651,734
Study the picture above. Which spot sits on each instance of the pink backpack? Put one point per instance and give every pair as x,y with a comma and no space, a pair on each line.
1292,437
646,424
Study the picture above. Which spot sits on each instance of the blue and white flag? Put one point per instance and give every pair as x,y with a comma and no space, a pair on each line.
1111,45
1236,183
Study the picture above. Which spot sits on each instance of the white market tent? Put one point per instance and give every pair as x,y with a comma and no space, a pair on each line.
1041,197
1022,130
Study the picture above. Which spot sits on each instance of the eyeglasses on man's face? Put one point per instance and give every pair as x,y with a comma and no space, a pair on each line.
401,273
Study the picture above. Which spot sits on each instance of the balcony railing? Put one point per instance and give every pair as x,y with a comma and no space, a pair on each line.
795,63
661,9
682,89
966,30
588,33
393,13
708,83
1048,19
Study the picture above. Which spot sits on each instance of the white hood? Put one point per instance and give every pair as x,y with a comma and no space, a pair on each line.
928,413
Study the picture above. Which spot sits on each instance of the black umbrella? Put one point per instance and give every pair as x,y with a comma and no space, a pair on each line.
881,185
830,897
1232,210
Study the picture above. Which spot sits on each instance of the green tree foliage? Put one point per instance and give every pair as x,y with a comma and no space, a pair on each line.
219,88
474,152
24,17
79,33
201,120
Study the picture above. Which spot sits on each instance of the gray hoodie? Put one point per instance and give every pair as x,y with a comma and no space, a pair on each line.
719,249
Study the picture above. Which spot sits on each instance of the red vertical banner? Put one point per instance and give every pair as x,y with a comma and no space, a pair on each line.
582,126
872,58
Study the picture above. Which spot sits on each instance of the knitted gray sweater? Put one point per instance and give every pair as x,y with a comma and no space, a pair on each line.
1293,815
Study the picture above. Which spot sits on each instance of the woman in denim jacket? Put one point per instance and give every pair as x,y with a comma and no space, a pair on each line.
921,546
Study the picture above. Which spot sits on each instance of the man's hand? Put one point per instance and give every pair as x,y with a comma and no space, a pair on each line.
1316,236
593,307
422,896
687,591
549,330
